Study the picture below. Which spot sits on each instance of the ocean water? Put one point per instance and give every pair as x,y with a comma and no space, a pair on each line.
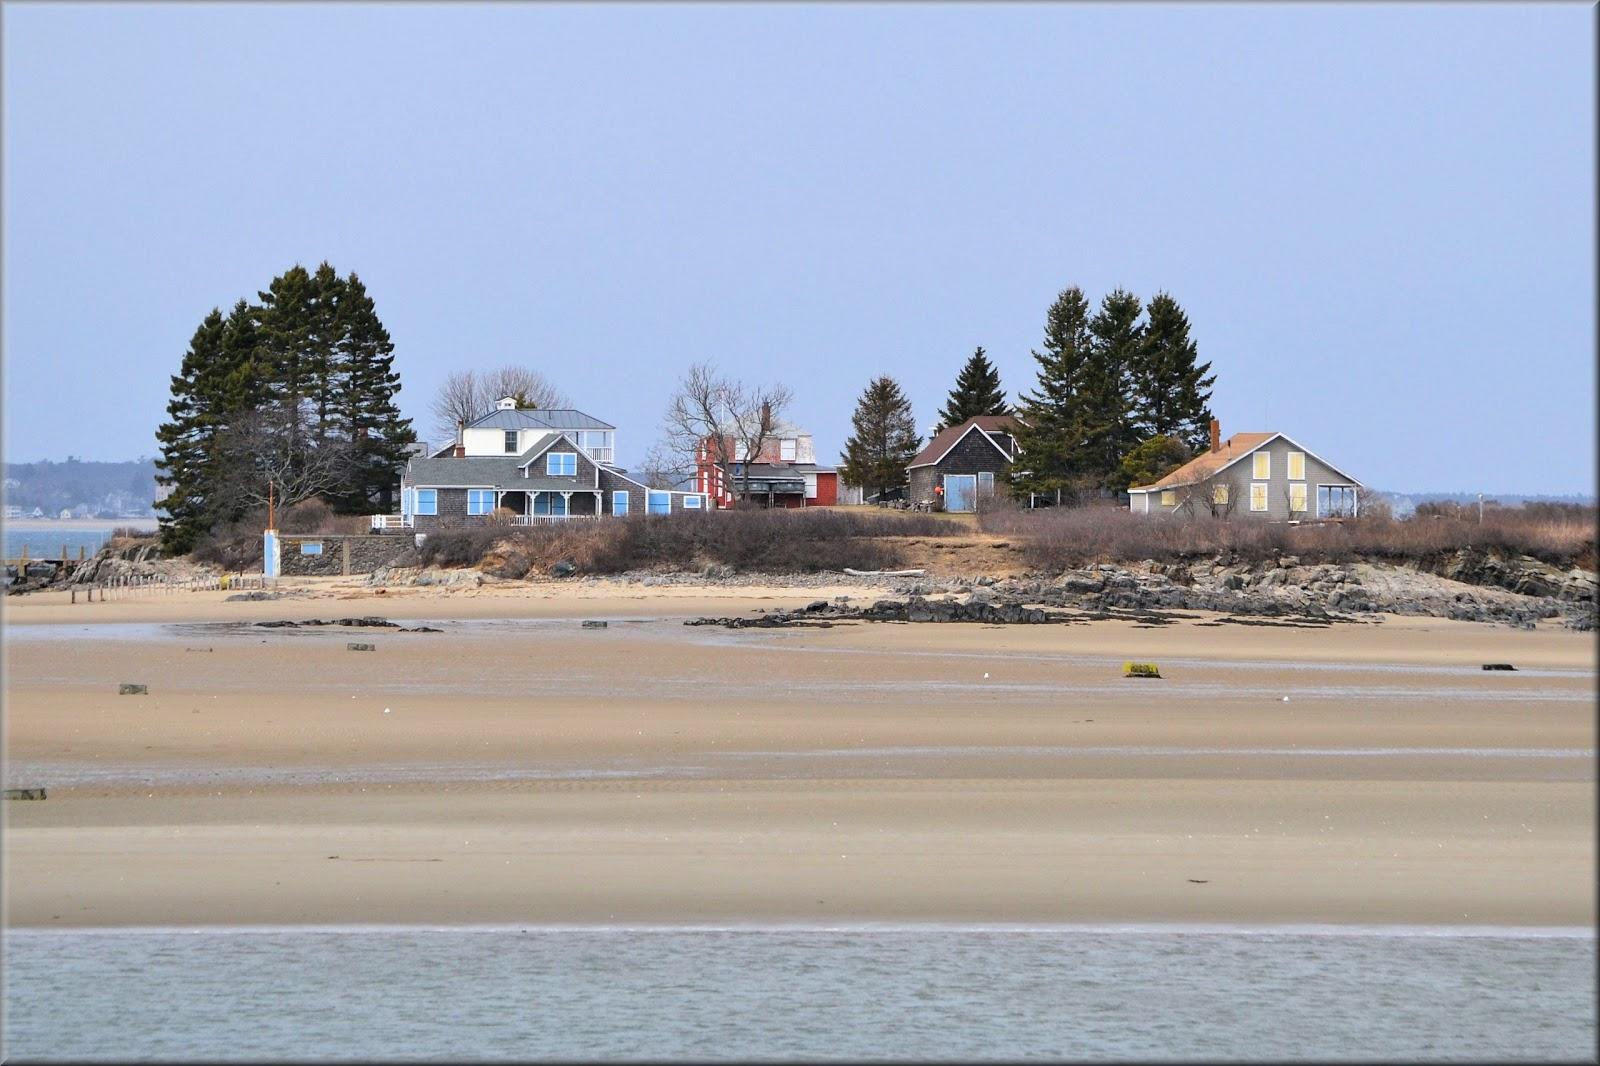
47,543
912,992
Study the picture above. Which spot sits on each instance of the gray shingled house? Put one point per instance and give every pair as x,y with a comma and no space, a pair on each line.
961,463
539,465
1263,476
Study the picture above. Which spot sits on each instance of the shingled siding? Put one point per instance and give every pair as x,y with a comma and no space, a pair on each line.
610,483
1239,477
452,511
974,455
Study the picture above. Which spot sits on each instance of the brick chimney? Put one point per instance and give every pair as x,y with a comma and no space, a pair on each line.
1216,435
461,448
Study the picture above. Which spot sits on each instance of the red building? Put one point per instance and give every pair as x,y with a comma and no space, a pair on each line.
785,474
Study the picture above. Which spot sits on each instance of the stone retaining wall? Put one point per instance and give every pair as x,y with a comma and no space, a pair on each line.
341,554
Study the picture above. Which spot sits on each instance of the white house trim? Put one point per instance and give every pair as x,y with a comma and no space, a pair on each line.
958,440
1242,457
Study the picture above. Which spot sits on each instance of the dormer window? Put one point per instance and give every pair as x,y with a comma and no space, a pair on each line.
561,464
786,449
511,442
506,403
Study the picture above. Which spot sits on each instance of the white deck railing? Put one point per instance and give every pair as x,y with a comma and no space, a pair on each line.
391,521
541,519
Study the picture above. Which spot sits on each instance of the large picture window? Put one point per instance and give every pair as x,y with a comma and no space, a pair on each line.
561,464
659,503
1336,501
480,501
427,501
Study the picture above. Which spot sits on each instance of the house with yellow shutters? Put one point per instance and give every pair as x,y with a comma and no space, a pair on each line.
1264,476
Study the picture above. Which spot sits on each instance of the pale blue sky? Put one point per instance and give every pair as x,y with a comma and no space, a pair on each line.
1380,218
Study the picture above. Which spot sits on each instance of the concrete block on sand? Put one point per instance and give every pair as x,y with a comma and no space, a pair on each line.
127,689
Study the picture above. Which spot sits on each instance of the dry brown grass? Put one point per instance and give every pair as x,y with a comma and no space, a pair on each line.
1055,538
776,541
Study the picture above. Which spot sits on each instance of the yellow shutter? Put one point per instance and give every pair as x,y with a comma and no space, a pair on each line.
1169,498
1263,465
1297,496
1219,495
1297,467
1258,497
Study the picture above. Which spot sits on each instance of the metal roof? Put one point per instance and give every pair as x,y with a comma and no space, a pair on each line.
539,418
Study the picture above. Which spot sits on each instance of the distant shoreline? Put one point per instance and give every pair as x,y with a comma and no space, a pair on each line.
95,525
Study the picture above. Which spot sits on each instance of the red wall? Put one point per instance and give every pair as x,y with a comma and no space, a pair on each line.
827,491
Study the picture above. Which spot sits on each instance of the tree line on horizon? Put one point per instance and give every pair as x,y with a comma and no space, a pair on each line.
1120,399
288,398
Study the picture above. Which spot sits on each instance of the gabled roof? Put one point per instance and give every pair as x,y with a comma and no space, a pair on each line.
538,418
946,439
1208,464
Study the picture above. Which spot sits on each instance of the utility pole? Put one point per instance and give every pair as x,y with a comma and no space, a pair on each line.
1480,508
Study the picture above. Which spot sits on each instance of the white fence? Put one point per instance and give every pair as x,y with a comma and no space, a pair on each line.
541,519
381,522
132,585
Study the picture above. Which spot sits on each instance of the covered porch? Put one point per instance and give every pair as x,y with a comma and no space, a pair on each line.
538,506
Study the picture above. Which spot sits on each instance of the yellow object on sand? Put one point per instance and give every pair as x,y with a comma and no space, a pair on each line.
1140,670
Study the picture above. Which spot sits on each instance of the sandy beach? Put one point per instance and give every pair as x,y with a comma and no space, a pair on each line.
518,768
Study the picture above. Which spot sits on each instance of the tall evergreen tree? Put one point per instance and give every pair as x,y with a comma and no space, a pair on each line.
288,362
1108,432
1171,388
884,441
977,392
1051,429
379,437
298,391
185,440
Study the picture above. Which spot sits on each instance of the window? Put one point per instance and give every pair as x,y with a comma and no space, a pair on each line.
691,503
561,464
1336,501
1297,496
619,503
786,450
1169,498
1263,467
659,503
1258,496
1219,495
480,501
311,547
427,501
1297,467
511,442
552,503
985,483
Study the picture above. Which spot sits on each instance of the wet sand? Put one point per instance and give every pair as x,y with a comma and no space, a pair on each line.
532,771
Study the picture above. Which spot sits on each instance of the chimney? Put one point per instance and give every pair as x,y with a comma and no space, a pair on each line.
461,449
1216,435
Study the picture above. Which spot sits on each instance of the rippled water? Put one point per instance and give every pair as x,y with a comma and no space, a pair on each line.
906,993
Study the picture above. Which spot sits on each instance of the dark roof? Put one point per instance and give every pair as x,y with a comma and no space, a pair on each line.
946,438
539,418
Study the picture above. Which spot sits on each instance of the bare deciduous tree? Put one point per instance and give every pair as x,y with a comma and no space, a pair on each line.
721,419
468,394
258,460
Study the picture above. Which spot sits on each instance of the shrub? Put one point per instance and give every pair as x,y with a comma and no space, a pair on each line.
1056,538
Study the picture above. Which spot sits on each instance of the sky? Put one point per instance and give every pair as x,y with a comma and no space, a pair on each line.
1379,218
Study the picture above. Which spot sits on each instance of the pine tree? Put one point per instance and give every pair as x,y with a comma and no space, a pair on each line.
977,392
1108,432
289,367
185,438
1050,432
1171,389
884,441
323,365
380,439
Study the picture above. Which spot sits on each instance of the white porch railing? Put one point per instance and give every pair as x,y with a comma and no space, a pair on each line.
391,521
541,519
